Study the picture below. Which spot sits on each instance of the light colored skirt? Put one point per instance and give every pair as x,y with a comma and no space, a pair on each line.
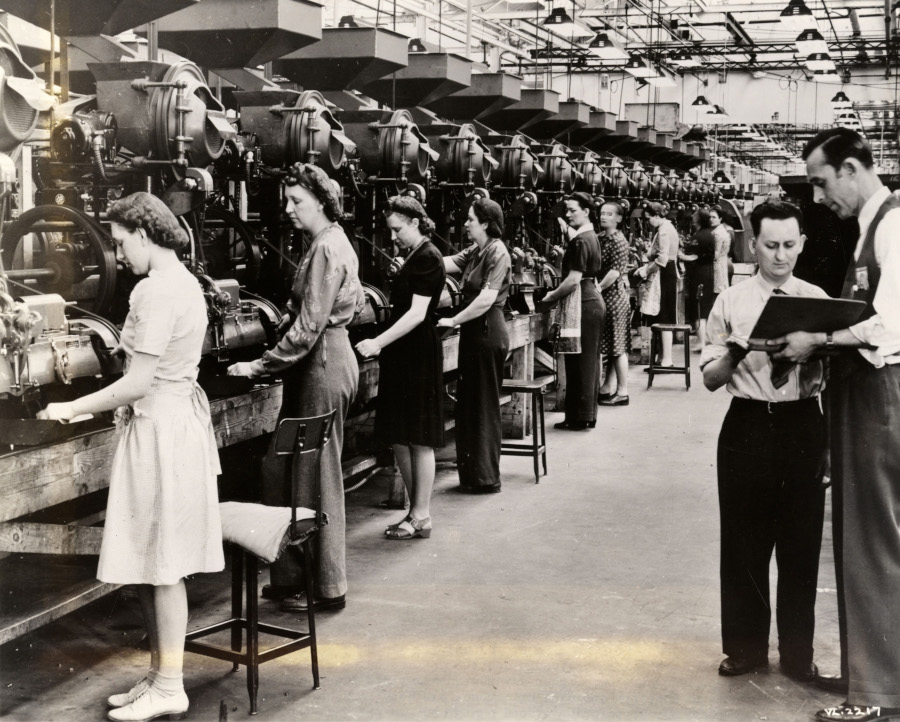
162,516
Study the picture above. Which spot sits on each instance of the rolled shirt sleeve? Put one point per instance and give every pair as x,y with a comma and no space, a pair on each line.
717,332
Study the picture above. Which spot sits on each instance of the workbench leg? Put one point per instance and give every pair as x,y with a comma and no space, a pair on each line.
560,382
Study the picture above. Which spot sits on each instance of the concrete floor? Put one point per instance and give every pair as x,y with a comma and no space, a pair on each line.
593,595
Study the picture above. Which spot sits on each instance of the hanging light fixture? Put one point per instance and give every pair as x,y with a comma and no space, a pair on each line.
826,76
416,46
811,41
717,112
820,61
604,46
561,23
682,58
797,15
702,102
640,67
840,101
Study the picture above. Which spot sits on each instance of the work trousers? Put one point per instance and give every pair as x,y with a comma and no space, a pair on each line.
865,462
770,463
483,345
583,369
325,379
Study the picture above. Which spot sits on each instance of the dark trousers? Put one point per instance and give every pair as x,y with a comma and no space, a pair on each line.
325,379
770,497
483,345
583,369
865,462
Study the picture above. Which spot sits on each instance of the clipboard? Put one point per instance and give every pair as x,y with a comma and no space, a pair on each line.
785,314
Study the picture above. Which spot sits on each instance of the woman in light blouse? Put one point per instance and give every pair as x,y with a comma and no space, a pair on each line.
662,259
320,373
484,341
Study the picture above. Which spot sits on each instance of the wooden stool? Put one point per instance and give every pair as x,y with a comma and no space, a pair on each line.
655,340
264,532
538,446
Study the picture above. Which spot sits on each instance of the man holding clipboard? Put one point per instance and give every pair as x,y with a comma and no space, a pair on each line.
865,426
770,460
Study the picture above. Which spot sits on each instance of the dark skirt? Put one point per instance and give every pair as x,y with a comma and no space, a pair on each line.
700,291
668,301
410,404
583,369
483,345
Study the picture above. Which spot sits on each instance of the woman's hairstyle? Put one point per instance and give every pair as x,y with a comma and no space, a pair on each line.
701,218
837,145
654,209
413,210
488,211
143,210
582,199
317,182
718,211
618,208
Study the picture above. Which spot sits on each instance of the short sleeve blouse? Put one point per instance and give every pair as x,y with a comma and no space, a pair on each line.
421,275
487,268
582,254
167,318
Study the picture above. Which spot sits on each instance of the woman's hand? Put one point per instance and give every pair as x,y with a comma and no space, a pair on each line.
242,368
563,227
446,323
285,323
369,348
57,412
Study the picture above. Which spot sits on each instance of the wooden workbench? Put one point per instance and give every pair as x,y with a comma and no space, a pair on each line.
35,478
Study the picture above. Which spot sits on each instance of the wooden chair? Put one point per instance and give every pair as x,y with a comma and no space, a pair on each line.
248,527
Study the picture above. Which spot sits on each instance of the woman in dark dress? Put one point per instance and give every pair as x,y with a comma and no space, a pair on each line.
409,411
580,266
483,343
702,279
616,338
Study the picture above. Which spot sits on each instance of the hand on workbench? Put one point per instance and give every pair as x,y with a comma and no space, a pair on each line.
57,412
242,368
368,348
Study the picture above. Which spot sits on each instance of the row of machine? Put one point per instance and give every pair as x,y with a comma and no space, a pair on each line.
213,140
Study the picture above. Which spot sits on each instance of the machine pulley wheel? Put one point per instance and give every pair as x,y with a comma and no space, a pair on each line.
230,247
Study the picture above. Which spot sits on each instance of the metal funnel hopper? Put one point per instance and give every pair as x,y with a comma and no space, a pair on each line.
600,123
107,17
534,105
427,77
488,93
572,114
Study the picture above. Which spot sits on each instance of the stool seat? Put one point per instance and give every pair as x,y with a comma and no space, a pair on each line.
537,449
655,338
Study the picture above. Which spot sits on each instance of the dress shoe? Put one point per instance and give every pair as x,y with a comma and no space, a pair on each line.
853,713
835,685
120,700
806,674
734,666
604,397
298,603
150,705
615,401
572,425
486,489
277,592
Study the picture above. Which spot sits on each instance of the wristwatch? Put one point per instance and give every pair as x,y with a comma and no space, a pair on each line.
829,340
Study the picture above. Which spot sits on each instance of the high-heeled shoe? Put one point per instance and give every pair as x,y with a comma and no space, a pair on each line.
396,524
420,528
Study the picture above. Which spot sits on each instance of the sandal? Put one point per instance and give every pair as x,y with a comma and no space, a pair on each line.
389,527
419,527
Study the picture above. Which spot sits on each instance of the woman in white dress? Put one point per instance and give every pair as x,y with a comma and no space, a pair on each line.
162,517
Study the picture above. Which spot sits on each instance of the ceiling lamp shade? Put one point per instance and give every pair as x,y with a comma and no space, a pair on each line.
348,21
603,46
417,46
561,23
702,102
717,112
640,67
820,61
798,16
683,59
826,76
811,41
840,101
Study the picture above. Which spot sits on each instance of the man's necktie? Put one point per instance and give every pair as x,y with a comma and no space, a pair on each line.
781,368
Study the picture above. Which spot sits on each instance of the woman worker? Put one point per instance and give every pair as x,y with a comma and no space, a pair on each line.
483,343
320,373
662,258
162,516
702,284
409,411
616,338
580,266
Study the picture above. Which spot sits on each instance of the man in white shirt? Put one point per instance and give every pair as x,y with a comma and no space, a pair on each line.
770,462
865,426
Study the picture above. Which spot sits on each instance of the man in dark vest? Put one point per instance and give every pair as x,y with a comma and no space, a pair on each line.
865,426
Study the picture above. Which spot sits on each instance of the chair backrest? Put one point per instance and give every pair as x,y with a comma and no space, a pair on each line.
302,436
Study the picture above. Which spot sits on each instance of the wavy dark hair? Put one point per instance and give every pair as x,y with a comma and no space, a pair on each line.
701,218
837,145
490,212
654,209
411,208
143,210
777,211
584,200
317,182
